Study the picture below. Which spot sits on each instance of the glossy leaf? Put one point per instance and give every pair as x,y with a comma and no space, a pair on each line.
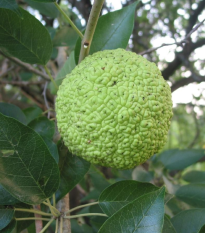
9,228
6,216
11,5
113,30
168,227
44,8
32,113
194,177
13,111
189,221
65,36
6,198
52,148
179,159
145,214
25,38
202,230
72,170
28,172
193,194
43,126
68,66
116,196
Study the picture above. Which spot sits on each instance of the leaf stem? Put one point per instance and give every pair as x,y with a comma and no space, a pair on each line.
54,200
61,225
90,29
88,214
53,210
47,225
69,20
81,206
51,77
32,218
56,230
33,211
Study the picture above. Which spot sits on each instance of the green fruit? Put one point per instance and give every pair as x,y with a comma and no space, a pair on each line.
114,109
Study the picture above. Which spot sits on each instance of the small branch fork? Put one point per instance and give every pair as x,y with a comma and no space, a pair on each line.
181,43
55,215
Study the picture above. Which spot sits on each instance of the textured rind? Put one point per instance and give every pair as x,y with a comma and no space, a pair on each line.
114,109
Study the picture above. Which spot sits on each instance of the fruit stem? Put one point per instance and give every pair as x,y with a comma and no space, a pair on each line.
81,206
69,20
90,29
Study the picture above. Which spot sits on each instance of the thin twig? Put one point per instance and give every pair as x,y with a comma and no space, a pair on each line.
38,222
181,43
90,29
51,77
26,66
21,83
69,20
45,99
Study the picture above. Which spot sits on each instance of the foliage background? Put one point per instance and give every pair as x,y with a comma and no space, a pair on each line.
156,22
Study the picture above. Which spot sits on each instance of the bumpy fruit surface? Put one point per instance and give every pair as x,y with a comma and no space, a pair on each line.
114,109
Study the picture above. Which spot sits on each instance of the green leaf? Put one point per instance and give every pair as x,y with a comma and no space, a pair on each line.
68,66
43,126
9,228
6,198
52,148
6,216
194,177
193,194
72,170
202,230
11,5
13,111
113,30
121,193
145,214
168,227
30,173
65,36
25,38
44,8
189,221
32,113
176,159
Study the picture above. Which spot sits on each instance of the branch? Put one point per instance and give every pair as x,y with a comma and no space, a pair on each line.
26,66
21,83
185,81
181,43
193,18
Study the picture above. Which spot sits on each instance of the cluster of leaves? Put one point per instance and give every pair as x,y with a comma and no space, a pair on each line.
34,165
